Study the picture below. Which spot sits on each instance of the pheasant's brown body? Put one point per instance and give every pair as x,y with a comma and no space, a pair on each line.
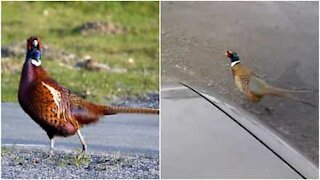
58,111
244,79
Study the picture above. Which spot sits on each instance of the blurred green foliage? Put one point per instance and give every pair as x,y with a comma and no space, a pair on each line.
56,23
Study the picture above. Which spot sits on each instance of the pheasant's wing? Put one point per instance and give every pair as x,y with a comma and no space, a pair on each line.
258,86
251,73
71,107
81,110
50,107
240,83
252,81
86,112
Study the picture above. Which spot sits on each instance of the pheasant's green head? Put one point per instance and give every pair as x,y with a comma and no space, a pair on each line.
233,56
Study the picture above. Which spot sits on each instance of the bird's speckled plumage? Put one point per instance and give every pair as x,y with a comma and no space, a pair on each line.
244,79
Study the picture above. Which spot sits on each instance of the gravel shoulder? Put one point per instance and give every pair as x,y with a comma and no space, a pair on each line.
30,162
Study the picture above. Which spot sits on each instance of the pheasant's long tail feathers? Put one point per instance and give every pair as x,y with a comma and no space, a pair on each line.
292,94
284,92
301,101
116,109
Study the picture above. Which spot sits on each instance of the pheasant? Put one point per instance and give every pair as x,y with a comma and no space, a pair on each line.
53,107
254,87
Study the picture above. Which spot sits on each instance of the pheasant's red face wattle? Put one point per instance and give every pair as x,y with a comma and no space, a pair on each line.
34,41
229,54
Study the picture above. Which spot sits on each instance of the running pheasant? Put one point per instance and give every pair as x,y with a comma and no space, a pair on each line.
53,107
254,87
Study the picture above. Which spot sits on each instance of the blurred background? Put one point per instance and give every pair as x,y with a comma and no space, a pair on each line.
277,40
102,51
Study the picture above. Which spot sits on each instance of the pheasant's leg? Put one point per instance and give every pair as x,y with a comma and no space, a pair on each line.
51,149
84,145
52,146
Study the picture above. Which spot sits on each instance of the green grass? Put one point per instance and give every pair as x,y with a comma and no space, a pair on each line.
58,30
6,150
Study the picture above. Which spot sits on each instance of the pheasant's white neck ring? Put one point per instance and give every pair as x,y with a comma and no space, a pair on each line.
234,63
36,62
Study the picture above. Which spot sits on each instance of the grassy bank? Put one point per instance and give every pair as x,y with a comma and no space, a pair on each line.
135,48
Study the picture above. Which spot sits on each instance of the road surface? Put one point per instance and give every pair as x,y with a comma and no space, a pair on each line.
125,133
278,40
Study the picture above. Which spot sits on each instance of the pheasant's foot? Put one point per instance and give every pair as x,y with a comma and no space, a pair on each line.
82,154
269,110
84,145
84,148
50,156
51,149
52,140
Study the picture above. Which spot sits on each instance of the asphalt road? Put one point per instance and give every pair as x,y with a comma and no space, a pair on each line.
278,40
125,133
